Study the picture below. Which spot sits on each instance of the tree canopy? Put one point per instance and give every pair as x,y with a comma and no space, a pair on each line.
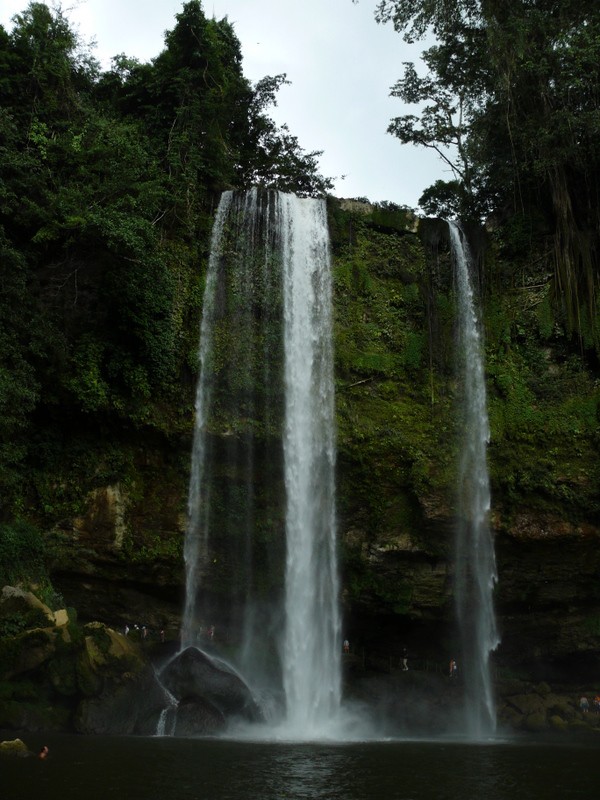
513,90
108,183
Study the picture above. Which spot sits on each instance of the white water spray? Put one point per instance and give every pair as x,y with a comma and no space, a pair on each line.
312,647
475,560
293,233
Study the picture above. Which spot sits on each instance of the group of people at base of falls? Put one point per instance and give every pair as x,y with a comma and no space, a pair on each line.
143,631
584,704
453,669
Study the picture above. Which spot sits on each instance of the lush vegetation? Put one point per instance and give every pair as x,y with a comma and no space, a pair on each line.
108,184
397,400
511,101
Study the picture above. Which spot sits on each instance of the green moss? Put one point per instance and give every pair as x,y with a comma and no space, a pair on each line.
388,591
543,408
20,691
89,683
62,674
22,551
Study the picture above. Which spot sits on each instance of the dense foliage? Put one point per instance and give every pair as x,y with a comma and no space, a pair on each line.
108,182
511,100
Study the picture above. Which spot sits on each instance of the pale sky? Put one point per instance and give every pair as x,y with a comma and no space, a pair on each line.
340,62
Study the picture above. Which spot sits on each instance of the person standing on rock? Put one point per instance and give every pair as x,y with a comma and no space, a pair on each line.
584,705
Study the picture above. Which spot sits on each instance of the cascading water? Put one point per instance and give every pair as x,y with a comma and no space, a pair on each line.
266,369
311,657
475,560
238,395
195,547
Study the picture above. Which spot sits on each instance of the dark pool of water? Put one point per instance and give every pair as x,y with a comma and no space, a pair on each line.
107,768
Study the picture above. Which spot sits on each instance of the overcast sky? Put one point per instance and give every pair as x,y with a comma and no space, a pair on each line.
340,62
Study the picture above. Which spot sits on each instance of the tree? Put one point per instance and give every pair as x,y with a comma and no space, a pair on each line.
514,88
271,156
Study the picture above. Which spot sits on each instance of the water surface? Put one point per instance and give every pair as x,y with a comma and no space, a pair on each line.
97,768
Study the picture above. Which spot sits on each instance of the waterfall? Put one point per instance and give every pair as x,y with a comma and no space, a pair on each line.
162,729
261,515
236,444
195,546
312,646
475,560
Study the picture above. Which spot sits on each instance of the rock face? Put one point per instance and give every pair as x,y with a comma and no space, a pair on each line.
131,706
197,717
15,600
88,678
120,560
208,691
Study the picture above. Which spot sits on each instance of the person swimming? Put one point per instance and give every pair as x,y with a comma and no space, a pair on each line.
43,752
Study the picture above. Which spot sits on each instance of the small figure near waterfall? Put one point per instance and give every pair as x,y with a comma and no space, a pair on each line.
404,660
44,752
346,646
453,668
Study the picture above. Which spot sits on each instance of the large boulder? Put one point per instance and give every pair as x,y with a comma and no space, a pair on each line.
196,716
14,600
14,747
195,674
25,653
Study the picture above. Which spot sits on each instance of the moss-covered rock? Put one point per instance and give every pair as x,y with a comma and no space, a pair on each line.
26,652
558,723
535,723
14,747
15,600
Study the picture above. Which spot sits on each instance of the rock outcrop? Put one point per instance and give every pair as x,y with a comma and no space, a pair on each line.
15,748
209,691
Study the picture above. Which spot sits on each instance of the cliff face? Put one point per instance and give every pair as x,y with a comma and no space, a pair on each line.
119,558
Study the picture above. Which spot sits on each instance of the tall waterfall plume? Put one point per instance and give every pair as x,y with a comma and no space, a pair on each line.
236,456
312,646
260,548
476,573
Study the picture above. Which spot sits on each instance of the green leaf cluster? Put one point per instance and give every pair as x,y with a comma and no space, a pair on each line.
21,553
